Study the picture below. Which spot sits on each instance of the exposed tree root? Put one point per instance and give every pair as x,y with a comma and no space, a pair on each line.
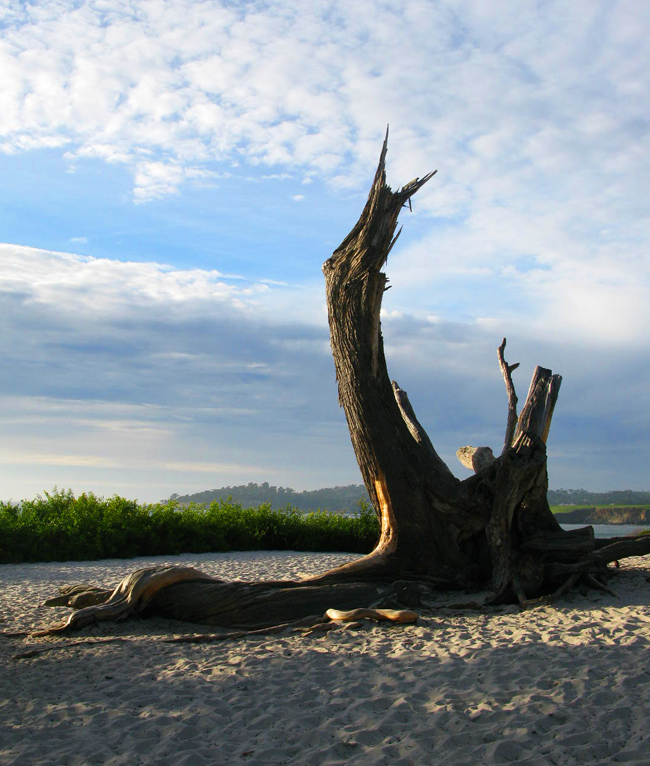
131,596
246,606
254,608
79,596
552,597
594,583
331,620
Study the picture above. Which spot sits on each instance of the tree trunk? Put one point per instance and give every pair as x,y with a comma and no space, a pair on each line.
495,528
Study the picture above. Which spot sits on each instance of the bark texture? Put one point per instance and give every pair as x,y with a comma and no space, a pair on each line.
494,528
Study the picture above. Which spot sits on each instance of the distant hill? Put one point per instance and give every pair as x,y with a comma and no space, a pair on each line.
346,498
608,515
582,497
251,495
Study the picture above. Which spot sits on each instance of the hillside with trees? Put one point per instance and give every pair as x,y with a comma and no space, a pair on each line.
251,495
582,497
346,498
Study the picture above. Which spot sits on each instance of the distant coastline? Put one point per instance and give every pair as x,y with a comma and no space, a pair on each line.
614,515
571,506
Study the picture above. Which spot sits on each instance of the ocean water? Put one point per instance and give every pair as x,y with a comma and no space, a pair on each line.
610,530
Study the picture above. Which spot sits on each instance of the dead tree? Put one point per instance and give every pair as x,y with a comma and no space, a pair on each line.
493,529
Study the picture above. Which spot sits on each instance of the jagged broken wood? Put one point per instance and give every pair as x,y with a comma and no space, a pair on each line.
511,420
493,529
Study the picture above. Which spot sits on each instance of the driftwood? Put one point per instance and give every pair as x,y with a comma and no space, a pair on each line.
333,619
493,529
249,607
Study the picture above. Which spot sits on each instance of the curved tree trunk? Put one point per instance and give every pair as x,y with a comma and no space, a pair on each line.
494,528
433,527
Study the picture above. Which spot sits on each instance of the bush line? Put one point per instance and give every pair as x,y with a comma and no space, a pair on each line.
62,527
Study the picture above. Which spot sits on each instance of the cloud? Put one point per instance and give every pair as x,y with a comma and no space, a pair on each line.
540,134
154,180
178,84
74,285
76,461
139,370
146,333
173,379
78,240
536,272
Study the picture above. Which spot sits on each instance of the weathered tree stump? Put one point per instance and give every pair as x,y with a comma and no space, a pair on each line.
493,529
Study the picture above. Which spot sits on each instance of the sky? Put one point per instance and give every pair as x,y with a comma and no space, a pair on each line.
174,174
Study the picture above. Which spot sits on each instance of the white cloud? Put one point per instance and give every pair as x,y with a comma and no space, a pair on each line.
564,268
154,180
164,376
35,458
80,285
540,135
528,91
177,379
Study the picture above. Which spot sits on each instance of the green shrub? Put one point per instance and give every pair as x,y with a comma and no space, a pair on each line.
62,527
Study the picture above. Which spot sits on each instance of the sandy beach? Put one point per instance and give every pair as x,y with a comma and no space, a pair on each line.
565,684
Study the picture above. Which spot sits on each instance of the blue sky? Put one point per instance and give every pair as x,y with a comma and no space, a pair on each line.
175,173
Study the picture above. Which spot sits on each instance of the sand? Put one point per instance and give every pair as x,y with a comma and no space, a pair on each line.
565,684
